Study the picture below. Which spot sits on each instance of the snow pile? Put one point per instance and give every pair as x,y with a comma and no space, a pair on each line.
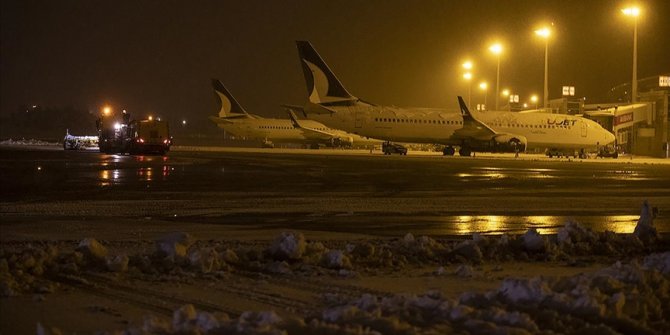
469,251
206,260
118,263
623,298
645,229
35,267
187,320
23,270
336,259
422,249
364,250
92,249
660,262
28,142
288,246
533,241
620,299
174,245
574,233
532,290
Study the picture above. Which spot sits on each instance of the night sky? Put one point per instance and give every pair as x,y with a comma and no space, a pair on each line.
158,56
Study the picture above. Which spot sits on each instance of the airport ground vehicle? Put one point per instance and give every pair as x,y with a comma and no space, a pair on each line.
607,152
73,142
150,136
393,148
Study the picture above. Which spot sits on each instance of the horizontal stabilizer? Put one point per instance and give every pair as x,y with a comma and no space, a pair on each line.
294,109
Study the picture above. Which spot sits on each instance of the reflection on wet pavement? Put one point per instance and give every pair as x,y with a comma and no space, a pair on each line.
387,196
122,170
499,224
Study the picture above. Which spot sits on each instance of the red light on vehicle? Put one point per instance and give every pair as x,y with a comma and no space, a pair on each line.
141,140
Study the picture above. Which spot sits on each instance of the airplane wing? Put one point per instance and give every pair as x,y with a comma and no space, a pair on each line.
310,133
472,127
227,120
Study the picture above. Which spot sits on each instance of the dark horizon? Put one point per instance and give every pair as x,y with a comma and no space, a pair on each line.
158,57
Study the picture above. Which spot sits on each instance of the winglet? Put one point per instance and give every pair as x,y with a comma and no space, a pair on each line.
229,106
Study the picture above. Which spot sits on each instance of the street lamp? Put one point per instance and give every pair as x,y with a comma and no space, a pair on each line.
634,12
468,77
497,50
544,33
467,65
533,98
483,85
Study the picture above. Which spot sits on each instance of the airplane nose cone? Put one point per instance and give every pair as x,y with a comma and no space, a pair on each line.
609,138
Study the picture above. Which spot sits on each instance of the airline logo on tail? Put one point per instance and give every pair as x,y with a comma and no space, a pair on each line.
322,85
229,106
319,84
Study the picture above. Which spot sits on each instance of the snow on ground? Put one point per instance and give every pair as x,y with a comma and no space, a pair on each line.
27,142
630,296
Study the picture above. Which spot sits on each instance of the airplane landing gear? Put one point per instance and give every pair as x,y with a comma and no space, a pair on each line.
448,151
464,152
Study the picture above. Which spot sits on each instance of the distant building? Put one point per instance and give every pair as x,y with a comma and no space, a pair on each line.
567,105
642,128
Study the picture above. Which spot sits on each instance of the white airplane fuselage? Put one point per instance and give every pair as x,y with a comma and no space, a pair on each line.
427,125
283,131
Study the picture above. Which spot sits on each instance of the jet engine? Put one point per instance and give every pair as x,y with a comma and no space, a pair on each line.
343,141
510,143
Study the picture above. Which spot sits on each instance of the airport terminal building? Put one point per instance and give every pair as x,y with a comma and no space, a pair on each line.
642,128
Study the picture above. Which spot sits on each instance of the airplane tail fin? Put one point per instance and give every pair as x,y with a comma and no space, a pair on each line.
294,119
229,106
294,109
470,120
465,112
322,84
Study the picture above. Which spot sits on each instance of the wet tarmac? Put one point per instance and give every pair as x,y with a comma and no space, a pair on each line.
333,191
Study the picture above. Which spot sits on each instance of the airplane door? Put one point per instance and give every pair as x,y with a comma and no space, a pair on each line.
358,118
583,125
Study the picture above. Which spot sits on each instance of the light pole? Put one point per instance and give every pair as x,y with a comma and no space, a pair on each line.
497,50
483,85
545,32
505,93
468,77
467,65
634,12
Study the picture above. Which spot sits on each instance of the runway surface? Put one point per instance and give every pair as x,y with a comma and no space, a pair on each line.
330,191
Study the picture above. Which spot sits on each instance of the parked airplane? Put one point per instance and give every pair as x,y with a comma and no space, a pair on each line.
234,119
330,103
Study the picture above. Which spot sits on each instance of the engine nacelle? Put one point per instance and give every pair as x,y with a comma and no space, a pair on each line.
343,141
510,143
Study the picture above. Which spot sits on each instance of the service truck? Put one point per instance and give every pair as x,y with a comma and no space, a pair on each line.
119,134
